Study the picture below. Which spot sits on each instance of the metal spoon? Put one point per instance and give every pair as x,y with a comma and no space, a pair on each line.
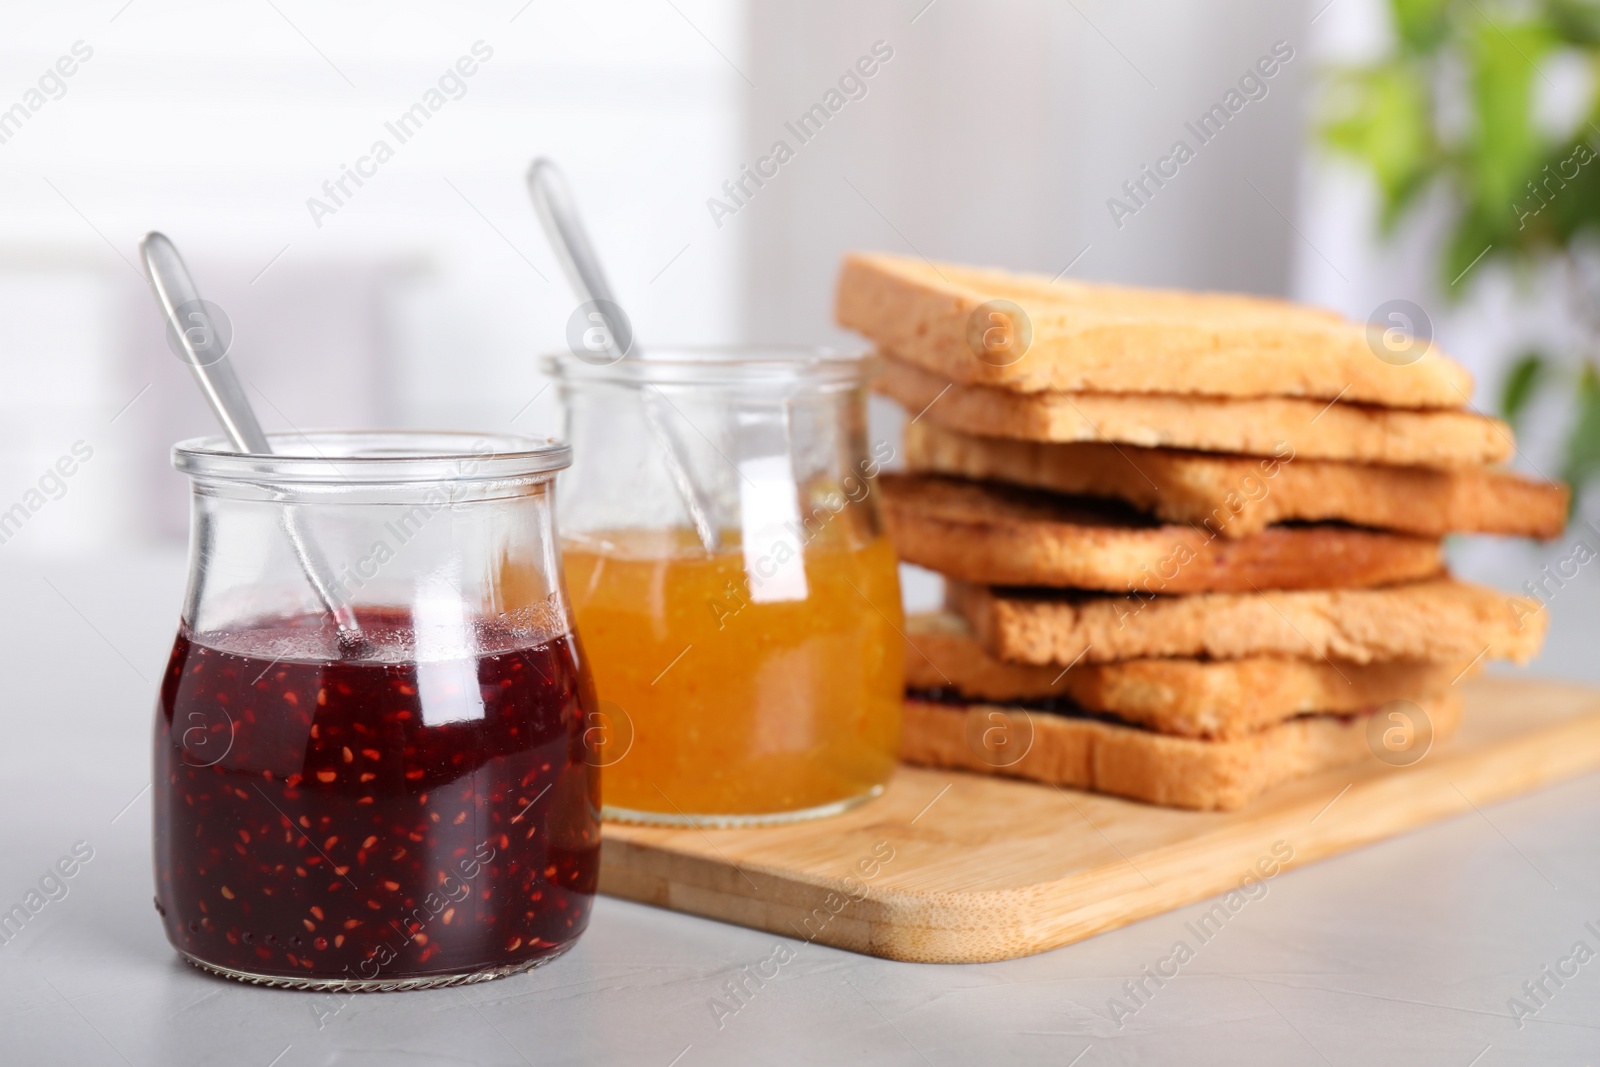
190,320
552,202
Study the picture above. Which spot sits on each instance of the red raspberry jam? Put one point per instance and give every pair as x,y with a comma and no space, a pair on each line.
384,817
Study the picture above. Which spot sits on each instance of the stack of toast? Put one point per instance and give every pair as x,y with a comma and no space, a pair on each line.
1191,542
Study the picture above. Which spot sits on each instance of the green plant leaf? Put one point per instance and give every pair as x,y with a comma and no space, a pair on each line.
1504,149
1380,115
1421,24
1472,243
1570,184
1521,382
1577,21
1516,196
1583,444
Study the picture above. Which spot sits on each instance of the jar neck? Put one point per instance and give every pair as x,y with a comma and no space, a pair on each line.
464,551
764,463
383,460
429,494
774,370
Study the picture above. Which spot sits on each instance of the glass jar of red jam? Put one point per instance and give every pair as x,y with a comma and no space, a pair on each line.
370,762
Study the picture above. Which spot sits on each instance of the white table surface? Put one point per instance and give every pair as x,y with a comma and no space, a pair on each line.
1402,952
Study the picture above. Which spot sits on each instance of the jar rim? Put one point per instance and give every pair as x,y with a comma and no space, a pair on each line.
794,365
375,457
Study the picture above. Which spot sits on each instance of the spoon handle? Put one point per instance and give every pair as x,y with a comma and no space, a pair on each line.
190,320
553,203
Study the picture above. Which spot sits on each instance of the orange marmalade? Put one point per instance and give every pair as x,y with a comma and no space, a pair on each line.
736,688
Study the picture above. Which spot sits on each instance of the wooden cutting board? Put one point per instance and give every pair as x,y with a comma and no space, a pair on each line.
949,867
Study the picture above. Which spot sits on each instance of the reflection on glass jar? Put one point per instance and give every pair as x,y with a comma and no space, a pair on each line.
405,807
733,582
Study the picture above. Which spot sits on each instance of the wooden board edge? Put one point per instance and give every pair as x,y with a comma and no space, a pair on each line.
981,926
1364,816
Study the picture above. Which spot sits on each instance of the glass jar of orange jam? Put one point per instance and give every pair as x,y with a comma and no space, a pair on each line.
732,582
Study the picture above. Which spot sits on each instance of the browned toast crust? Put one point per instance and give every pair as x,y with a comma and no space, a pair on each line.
1441,620
1241,495
1179,772
1116,339
1185,697
997,535
1311,429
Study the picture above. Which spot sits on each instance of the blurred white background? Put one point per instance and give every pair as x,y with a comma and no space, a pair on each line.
996,133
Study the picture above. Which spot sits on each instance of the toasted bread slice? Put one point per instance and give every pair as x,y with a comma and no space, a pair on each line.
1184,697
1441,620
1115,339
1307,429
1237,496
997,535
1178,772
